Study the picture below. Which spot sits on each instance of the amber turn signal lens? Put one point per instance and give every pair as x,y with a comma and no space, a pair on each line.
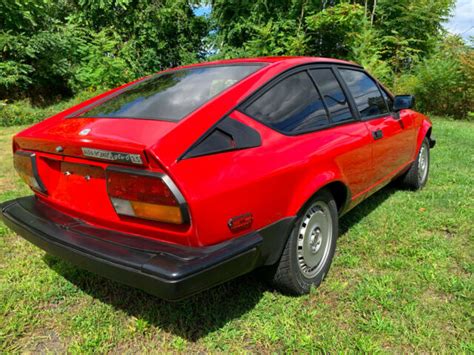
170,214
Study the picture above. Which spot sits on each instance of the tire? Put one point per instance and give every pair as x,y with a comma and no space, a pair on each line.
417,175
310,247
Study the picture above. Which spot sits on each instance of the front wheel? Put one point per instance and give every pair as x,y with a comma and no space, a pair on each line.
310,247
417,175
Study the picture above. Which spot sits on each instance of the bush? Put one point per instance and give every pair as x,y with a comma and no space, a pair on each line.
442,83
51,49
103,63
22,112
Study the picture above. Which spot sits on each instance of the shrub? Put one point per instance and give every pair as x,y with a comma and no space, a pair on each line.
442,83
22,112
103,63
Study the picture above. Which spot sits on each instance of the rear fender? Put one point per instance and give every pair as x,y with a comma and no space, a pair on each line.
312,184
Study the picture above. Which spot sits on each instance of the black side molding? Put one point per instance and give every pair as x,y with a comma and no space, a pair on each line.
227,135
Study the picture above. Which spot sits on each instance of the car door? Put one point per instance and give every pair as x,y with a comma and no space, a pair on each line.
355,162
312,105
392,135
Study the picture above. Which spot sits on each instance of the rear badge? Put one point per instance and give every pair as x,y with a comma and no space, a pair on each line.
85,132
112,156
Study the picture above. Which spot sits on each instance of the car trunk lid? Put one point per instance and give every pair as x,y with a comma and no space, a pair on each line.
96,139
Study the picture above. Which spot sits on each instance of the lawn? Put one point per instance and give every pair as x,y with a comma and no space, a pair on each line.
402,281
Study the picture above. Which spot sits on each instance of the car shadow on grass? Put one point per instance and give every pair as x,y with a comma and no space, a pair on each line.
366,207
199,315
191,318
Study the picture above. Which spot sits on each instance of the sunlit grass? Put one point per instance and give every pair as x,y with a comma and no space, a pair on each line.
401,282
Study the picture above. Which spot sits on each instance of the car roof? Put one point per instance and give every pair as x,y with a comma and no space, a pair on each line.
289,60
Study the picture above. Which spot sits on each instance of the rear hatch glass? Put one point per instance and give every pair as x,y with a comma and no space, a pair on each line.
171,95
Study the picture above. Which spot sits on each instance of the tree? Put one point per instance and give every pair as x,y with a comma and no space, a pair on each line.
55,48
403,31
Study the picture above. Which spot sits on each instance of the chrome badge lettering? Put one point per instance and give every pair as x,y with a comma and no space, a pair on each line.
112,156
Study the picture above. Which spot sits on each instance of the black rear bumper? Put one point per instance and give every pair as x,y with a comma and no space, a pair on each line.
165,270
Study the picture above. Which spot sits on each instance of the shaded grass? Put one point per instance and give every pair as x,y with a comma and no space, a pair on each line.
401,282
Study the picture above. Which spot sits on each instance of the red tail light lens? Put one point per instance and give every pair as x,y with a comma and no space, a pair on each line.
146,195
25,165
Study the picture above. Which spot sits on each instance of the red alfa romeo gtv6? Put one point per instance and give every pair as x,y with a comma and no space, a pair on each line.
188,178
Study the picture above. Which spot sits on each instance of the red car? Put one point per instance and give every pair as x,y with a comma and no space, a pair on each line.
193,176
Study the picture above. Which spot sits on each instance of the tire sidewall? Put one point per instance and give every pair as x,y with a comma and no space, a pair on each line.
300,280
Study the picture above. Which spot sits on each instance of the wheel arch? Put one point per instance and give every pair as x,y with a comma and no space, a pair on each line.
336,187
341,194
425,131
339,191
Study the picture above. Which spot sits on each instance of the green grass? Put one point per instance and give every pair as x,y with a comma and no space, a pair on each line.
401,282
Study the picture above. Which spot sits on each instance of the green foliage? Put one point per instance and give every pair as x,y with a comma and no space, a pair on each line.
410,29
443,83
22,112
335,29
152,35
397,41
51,49
258,28
103,63
367,51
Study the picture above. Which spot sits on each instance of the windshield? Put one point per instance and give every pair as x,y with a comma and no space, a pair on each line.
171,95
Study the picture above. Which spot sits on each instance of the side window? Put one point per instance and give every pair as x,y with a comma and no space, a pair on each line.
388,100
365,92
291,106
333,95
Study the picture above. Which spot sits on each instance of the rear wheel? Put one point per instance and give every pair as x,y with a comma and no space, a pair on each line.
417,176
310,247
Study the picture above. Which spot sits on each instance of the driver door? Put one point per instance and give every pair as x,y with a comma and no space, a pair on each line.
393,135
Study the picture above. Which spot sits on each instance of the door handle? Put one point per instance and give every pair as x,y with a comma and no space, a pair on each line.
377,134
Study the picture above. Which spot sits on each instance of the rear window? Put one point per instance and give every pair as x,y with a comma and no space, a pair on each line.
171,95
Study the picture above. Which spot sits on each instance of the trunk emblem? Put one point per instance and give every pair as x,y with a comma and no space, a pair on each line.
112,156
85,132
59,149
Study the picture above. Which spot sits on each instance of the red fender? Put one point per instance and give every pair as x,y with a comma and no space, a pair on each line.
309,186
425,130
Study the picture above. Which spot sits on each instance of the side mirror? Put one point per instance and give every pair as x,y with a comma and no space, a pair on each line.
402,102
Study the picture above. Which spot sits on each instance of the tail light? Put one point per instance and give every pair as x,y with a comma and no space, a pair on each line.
25,165
146,195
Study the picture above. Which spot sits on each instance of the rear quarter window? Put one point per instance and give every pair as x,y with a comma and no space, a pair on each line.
171,95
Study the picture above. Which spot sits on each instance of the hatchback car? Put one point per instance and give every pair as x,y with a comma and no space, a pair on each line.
193,176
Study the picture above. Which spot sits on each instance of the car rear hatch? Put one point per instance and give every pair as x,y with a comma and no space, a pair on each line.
136,127
86,137
72,158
